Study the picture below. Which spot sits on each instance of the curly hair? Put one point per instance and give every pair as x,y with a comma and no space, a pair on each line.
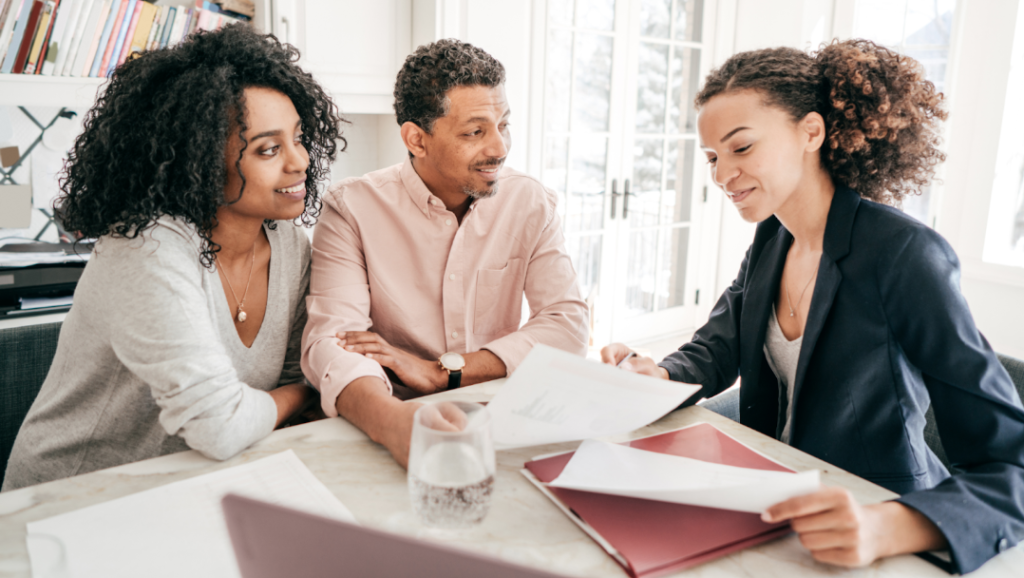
881,114
154,143
432,70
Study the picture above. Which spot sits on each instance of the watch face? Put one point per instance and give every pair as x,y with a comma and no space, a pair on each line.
452,361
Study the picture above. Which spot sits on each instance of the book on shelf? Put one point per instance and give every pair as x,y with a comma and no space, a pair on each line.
8,16
113,51
116,7
31,25
36,42
91,38
57,45
158,24
18,35
99,64
75,43
147,12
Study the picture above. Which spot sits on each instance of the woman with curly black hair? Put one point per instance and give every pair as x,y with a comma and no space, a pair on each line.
192,170
846,320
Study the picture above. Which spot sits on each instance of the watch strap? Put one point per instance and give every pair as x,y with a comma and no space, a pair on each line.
454,379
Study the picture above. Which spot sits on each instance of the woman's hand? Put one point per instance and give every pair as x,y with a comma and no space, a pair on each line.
420,375
615,353
837,530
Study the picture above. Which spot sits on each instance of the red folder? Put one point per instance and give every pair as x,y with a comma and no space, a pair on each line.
650,538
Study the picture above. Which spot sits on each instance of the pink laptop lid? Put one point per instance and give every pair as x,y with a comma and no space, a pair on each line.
272,541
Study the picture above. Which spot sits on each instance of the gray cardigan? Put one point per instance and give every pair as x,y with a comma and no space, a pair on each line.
149,361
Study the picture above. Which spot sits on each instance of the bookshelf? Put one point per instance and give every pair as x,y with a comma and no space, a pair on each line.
353,47
79,93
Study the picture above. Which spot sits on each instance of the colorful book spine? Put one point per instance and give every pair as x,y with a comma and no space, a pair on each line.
147,17
17,36
179,26
107,48
116,7
193,22
26,42
117,39
60,42
172,13
130,35
45,17
154,31
47,29
13,8
90,38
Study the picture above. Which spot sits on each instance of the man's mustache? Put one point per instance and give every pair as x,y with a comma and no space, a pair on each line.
494,163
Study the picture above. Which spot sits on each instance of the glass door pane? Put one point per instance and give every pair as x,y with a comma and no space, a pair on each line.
580,58
654,226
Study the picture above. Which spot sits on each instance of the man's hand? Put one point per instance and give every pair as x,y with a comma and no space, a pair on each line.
837,530
418,374
367,404
616,352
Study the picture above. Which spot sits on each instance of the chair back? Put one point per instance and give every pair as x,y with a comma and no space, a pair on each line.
727,404
1014,367
26,354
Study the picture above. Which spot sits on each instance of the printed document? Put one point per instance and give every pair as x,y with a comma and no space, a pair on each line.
623,471
554,396
174,530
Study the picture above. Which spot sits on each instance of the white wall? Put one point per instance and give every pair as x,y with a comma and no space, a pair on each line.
982,48
374,142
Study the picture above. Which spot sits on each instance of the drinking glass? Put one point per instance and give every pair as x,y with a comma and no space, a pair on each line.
451,464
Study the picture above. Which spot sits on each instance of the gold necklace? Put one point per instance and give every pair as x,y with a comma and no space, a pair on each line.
239,313
789,301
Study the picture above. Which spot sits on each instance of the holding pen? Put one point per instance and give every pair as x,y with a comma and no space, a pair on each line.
625,359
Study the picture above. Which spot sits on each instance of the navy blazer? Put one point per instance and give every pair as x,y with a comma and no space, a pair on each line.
888,333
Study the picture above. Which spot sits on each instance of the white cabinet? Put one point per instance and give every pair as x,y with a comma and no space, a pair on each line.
354,48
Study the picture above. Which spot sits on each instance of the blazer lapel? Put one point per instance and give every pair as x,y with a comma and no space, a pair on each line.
836,245
762,286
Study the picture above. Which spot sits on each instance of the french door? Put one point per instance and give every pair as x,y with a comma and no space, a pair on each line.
619,146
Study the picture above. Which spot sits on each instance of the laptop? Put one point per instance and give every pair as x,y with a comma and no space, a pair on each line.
274,541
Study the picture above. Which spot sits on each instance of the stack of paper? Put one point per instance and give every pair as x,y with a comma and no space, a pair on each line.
175,530
554,396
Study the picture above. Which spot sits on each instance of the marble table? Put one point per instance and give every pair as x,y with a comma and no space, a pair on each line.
523,526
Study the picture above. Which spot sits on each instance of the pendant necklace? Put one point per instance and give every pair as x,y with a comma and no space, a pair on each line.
789,301
240,315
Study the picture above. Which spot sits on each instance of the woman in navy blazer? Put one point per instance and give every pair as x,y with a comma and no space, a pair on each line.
815,148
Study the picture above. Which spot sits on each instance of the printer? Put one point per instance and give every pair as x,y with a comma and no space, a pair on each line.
40,274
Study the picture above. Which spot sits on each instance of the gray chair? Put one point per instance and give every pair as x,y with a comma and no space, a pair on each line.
727,404
26,354
1014,367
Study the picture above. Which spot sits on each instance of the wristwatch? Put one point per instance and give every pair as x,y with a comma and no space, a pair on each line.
453,364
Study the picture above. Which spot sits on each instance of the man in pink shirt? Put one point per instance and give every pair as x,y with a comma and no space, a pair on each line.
421,268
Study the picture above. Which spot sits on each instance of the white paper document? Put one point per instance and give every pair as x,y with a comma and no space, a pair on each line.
44,302
174,530
623,471
554,396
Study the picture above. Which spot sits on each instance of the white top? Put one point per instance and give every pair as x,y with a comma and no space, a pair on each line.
149,361
783,356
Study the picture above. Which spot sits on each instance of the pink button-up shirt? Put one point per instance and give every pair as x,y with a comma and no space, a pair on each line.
388,257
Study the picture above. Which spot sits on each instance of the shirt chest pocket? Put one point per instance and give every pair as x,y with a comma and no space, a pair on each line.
499,298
